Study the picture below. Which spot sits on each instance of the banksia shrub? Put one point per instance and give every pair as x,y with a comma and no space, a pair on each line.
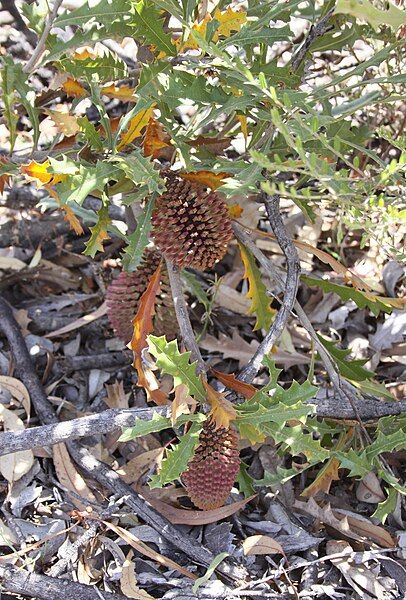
213,469
124,293
191,226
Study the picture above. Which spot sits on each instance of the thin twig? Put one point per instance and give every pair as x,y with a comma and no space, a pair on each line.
97,470
36,55
291,285
182,315
316,31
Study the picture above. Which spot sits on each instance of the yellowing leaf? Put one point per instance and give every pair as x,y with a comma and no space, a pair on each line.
128,581
124,93
206,178
69,216
143,326
65,123
156,138
137,124
244,125
191,43
4,179
324,479
222,411
261,544
260,301
235,211
230,21
74,88
84,53
39,172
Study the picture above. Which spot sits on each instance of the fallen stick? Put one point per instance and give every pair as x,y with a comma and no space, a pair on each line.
42,587
327,407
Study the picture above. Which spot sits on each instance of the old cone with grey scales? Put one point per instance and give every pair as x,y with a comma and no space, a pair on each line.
213,469
191,226
123,297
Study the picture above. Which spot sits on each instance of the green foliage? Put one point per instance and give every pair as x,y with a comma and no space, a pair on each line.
176,460
350,369
137,241
172,362
362,299
141,427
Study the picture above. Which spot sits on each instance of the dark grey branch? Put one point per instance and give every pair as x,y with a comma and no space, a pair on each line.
291,285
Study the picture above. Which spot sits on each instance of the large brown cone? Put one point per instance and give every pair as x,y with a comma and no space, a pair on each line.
212,471
191,226
124,293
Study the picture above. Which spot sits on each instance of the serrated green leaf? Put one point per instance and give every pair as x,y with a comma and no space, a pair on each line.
107,67
149,24
291,396
98,233
350,369
362,299
137,241
245,481
140,169
90,134
172,362
387,507
356,462
386,443
15,80
177,459
278,414
300,442
257,292
104,12
281,475
82,179
141,427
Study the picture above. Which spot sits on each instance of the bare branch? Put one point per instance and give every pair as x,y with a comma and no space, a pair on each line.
182,315
291,285
48,435
36,55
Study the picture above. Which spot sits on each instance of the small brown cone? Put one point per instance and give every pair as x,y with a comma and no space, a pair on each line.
213,469
191,226
124,293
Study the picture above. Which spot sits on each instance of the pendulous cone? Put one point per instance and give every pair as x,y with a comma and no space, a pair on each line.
191,226
214,467
124,294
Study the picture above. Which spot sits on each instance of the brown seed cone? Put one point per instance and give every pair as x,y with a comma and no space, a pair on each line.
124,293
191,226
213,469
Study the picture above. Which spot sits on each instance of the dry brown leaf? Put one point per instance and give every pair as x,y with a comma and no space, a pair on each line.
70,478
143,326
261,544
228,298
124,93
359,576
229,379
128,581
18,391
351,527
181,516
131,471
9,262
212,144
65,123
73,88
222,410
183,403
141,547
369,489
77,323
155,139
14,466
116,396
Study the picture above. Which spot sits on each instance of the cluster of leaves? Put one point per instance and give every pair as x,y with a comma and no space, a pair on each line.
287,416
305,136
